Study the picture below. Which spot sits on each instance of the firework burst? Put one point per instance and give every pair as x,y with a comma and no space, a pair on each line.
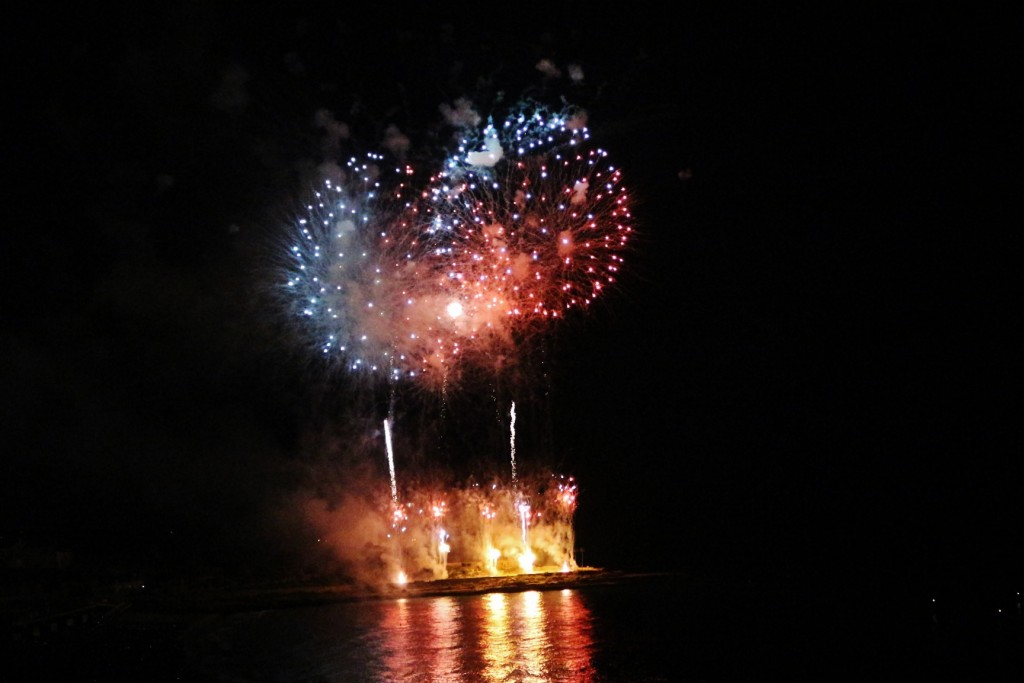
525,222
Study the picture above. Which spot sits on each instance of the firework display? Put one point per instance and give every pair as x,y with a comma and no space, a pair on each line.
414,281
525,222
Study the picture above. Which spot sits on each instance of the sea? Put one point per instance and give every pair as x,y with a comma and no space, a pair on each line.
636,629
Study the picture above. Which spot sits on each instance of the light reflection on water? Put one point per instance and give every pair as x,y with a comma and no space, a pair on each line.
494,638
524,636
528,636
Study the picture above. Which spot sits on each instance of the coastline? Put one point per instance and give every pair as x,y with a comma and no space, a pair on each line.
248,598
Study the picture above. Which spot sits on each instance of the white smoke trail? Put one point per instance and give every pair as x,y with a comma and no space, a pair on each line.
391,460
512,442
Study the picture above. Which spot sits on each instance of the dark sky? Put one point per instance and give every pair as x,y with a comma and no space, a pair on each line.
807,368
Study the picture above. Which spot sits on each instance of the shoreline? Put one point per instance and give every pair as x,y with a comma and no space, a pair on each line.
254,598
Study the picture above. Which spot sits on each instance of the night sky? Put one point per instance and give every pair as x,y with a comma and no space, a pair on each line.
807,368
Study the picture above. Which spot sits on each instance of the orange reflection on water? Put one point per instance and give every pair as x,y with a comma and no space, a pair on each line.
494,639
537,636
421,637
533,641
573,631
529,636
397,656
446,636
